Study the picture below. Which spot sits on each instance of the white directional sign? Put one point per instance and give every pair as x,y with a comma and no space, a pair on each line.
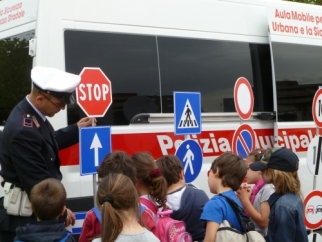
313,164
95,144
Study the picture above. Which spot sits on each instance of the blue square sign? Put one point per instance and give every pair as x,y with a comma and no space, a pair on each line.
94,145
187,113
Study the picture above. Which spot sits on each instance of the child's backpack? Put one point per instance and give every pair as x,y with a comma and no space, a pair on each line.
167,228
227,233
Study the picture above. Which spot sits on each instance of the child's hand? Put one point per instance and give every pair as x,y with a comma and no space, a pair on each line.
244,192
71,219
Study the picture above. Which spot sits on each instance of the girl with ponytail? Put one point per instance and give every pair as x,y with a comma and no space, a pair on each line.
151,187
118,200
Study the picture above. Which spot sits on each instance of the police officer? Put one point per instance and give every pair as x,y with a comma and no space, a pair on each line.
29,146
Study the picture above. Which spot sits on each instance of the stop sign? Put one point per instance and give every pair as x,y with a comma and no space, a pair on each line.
94,92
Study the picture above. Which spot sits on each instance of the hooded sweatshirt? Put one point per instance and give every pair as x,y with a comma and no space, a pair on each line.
187,204
43,231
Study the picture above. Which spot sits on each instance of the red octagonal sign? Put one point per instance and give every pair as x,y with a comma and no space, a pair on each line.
94,92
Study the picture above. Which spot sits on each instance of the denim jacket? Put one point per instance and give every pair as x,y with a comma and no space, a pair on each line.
286,219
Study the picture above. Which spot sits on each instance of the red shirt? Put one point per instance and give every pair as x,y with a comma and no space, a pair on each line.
91,227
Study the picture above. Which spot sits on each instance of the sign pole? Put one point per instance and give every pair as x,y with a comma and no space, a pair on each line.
94,179
317,164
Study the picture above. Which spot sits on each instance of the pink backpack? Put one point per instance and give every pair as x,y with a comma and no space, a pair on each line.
167,229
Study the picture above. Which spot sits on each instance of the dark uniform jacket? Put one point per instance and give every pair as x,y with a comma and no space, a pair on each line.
29,154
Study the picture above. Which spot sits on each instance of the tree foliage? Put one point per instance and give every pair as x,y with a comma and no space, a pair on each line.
15,66
315,2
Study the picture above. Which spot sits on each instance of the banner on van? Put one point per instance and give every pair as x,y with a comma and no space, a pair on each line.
295,22
15,13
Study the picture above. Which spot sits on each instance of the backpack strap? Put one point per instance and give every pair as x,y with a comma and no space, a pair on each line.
98,214
244,221
65,238
142,208
150,205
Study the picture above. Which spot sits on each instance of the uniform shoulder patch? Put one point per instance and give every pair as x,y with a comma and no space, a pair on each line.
35,121
27,121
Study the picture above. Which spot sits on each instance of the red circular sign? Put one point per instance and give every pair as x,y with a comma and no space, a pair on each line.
317,108
314,209
243,141
243,98
94,92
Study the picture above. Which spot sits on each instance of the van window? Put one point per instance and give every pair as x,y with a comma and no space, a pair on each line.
298,76
15,67
146,70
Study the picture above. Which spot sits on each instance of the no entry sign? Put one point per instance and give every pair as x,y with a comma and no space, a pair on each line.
243,98
94,93
243,141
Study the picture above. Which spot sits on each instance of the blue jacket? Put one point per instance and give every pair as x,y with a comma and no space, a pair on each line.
43,231
286,219
191,207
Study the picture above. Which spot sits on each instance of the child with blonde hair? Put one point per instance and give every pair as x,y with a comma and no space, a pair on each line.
120,211
286,221
255,200
151,187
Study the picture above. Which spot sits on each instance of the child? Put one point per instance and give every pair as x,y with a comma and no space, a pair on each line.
225,176
255,201
151,187
115,162
186,202
120,211
286,222
47,199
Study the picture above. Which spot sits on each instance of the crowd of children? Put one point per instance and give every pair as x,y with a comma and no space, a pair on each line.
133,189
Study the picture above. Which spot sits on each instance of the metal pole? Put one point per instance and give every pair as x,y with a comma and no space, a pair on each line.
94,178
317,162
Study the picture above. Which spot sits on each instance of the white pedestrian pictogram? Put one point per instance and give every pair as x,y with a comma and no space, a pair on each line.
188,158
188,119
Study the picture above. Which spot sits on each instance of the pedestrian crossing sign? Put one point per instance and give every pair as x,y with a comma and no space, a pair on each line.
187,113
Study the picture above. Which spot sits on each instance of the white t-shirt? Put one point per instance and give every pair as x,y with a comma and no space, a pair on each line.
145,236
262,196
174,199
